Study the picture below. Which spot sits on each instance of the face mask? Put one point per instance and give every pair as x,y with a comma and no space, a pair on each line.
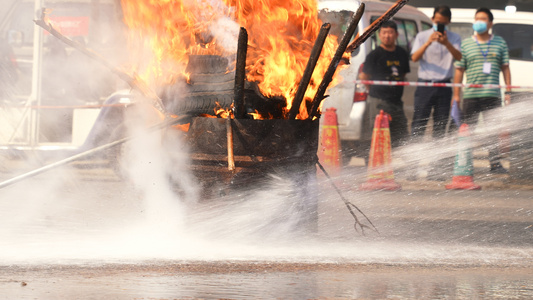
480,27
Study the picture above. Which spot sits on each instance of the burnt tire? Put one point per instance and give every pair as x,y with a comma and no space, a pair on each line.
211,83
207,64
201,103
210,87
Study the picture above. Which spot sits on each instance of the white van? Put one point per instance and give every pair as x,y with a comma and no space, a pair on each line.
515,28
347,97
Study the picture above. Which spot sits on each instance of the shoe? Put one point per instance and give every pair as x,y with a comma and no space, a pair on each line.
498,169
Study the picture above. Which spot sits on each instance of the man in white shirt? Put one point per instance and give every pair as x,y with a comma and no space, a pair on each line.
436,49
436,52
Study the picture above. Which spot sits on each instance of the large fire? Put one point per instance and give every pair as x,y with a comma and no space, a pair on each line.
281,36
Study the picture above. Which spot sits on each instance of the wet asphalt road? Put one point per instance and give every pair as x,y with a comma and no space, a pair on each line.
76,234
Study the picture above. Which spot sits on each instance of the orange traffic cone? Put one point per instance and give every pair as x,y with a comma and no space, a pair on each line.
463,178
329,149
380,173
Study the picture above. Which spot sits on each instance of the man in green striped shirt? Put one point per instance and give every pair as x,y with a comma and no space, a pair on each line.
484,56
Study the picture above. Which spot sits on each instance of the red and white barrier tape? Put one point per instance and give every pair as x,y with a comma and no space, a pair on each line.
441,84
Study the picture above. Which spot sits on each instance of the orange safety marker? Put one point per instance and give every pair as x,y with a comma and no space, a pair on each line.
380,173
328,153
463,171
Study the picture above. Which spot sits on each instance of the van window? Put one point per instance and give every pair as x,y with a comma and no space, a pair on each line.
463,29
339,20
519,39
426,26
407,31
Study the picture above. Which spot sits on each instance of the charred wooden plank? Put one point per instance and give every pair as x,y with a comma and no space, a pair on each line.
308,72
240,74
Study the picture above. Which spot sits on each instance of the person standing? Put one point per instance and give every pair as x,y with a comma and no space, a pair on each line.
387,62
436,48
484,57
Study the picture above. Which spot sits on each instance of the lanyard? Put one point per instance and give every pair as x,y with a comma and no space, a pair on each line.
484,53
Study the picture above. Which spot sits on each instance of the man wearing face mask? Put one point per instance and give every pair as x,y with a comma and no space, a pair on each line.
484,57
436,49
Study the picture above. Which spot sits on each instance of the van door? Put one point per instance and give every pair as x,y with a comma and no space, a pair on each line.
519,38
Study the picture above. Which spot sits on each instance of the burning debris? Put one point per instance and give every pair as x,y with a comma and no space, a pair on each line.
194,71
281,36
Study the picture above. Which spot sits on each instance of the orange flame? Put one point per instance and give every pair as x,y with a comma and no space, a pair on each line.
281,36
223,112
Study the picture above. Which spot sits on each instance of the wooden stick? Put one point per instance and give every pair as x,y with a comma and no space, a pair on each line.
328,76
240,74
311,64
376,25
229,135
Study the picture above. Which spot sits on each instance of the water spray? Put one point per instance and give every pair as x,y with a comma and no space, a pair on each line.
349,205
162,125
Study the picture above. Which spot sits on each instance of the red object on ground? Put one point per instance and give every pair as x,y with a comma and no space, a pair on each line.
380,173
463,171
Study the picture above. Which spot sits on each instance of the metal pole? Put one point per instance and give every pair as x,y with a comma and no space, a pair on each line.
36,82
311,64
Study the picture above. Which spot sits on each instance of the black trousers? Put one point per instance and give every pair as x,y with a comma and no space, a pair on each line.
427,99
471,109
398,124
